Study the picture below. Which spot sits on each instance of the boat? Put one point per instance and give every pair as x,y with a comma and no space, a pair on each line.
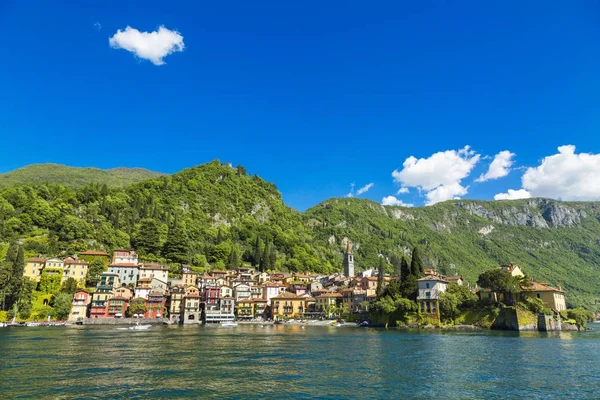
337,325
364,323
30,324
140,327
229,324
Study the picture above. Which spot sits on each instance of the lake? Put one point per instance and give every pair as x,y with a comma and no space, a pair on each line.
293,362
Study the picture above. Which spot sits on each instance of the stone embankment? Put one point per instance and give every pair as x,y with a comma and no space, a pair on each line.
123,321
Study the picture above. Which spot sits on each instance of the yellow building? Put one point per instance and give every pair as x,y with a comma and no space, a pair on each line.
189,279
553,298
33,268
76,269
245,309
328,301
287,304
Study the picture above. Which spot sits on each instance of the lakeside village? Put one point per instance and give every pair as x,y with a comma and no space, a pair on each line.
503,298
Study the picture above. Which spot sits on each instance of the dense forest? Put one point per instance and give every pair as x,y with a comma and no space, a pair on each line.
219,216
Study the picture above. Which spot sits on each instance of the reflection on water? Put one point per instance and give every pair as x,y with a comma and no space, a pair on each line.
295,362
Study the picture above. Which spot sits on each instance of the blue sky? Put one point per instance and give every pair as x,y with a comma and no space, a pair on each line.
313,96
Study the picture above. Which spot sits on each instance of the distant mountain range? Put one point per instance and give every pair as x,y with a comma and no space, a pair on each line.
219,214
75,177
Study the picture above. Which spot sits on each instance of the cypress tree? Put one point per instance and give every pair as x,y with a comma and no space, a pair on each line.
380,276
417,268
177,245
397,264
404,269
256,255
234,258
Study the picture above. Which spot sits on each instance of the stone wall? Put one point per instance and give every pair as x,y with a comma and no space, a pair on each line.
123,321
547,323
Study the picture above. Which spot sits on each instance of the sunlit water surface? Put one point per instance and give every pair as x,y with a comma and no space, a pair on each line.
294,362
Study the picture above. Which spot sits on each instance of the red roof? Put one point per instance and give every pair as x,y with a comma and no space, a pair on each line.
93,253
124,265
36,259
72,261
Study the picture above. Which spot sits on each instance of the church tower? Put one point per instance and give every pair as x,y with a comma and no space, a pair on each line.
348,261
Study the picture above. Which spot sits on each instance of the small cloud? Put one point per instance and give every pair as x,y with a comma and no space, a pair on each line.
403,190
364,189
393,201
513,195
97,25
152,46
500,166
351,193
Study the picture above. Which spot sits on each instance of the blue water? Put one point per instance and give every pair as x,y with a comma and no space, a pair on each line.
250,362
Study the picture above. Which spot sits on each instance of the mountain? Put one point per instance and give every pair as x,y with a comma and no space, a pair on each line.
74,177
218,215
555,242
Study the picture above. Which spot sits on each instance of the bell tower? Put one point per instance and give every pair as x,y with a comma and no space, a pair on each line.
348,261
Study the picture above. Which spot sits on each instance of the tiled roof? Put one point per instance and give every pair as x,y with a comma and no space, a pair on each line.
329,295
93,253
73,261
124,265
36,259
286,295
541,287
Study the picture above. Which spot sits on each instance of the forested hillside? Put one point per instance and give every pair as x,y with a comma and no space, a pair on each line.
218,215
74,177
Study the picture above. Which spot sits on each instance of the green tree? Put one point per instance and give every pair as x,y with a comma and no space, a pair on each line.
396,262
147,238
417,268
50,280
409,287
137,306
404,269
581,317
11,276
95,269
234,258
69,286
257,253
448,305
380,276
61,303
500,281
177,246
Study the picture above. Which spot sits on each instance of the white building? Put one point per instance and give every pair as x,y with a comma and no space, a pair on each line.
270,290
242,292
122,256
430,289
128,273
154,271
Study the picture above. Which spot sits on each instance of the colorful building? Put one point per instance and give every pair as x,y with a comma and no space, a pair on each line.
33,268
553,298
245,309
155,305
117,307
79,308
287,305
76,269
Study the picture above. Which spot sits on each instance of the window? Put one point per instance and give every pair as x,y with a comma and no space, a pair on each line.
427,285
427,294
537,295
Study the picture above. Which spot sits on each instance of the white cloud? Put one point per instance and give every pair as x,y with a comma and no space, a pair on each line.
445,192
513,195
565,176
439,176
351,193
153,46
499,167
392,201
364,189
402,190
